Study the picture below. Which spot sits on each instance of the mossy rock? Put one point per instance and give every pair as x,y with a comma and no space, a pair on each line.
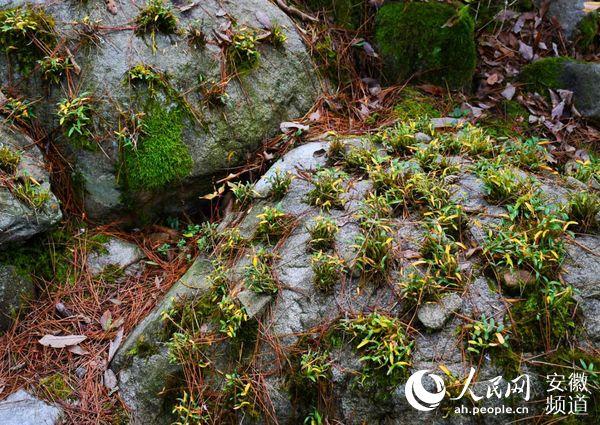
432,41
347,13
161,157
588,32
544,74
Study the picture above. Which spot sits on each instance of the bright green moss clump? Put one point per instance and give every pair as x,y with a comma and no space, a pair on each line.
544,74
161,157
432,41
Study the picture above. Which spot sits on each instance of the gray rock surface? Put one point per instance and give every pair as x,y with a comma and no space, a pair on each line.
15,290
116,253
584,80
299,308
435,315
22,408
142,364
582,270
282,87
568,13
18,220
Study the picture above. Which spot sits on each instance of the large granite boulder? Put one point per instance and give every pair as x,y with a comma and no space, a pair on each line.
171,102
568,13
27,205
301,314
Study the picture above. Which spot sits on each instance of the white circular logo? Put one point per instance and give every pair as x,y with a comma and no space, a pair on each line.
418,397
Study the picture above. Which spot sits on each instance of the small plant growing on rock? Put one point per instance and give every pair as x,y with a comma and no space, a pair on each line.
315,365
358,158
420,287
54,67
17,110
75,115
189,411
240,394
31,194
232,316
585,171
384,347
156,17
243,193
503,185
242,53
9,159
314,418
328,270
485,334
451,219
327,189
584,208
277,36
25,32
257,274
374,248
208,237
280,184
323,233
273,223
475,141
336,150
530,153
195,36
398,139
230,241
440,254
142,73
213,92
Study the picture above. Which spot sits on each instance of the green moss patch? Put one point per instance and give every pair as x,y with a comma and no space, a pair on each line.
432,41
544,74
415,105
161,157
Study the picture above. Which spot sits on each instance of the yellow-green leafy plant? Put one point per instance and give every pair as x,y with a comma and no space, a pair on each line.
9,159
584,208
273,223
244,193
323,233
280,184
75,116
328,270
156,17
315,365
54,67
240,394
328,188
242,52
31,194
484,334
232,316
384,346
257,274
